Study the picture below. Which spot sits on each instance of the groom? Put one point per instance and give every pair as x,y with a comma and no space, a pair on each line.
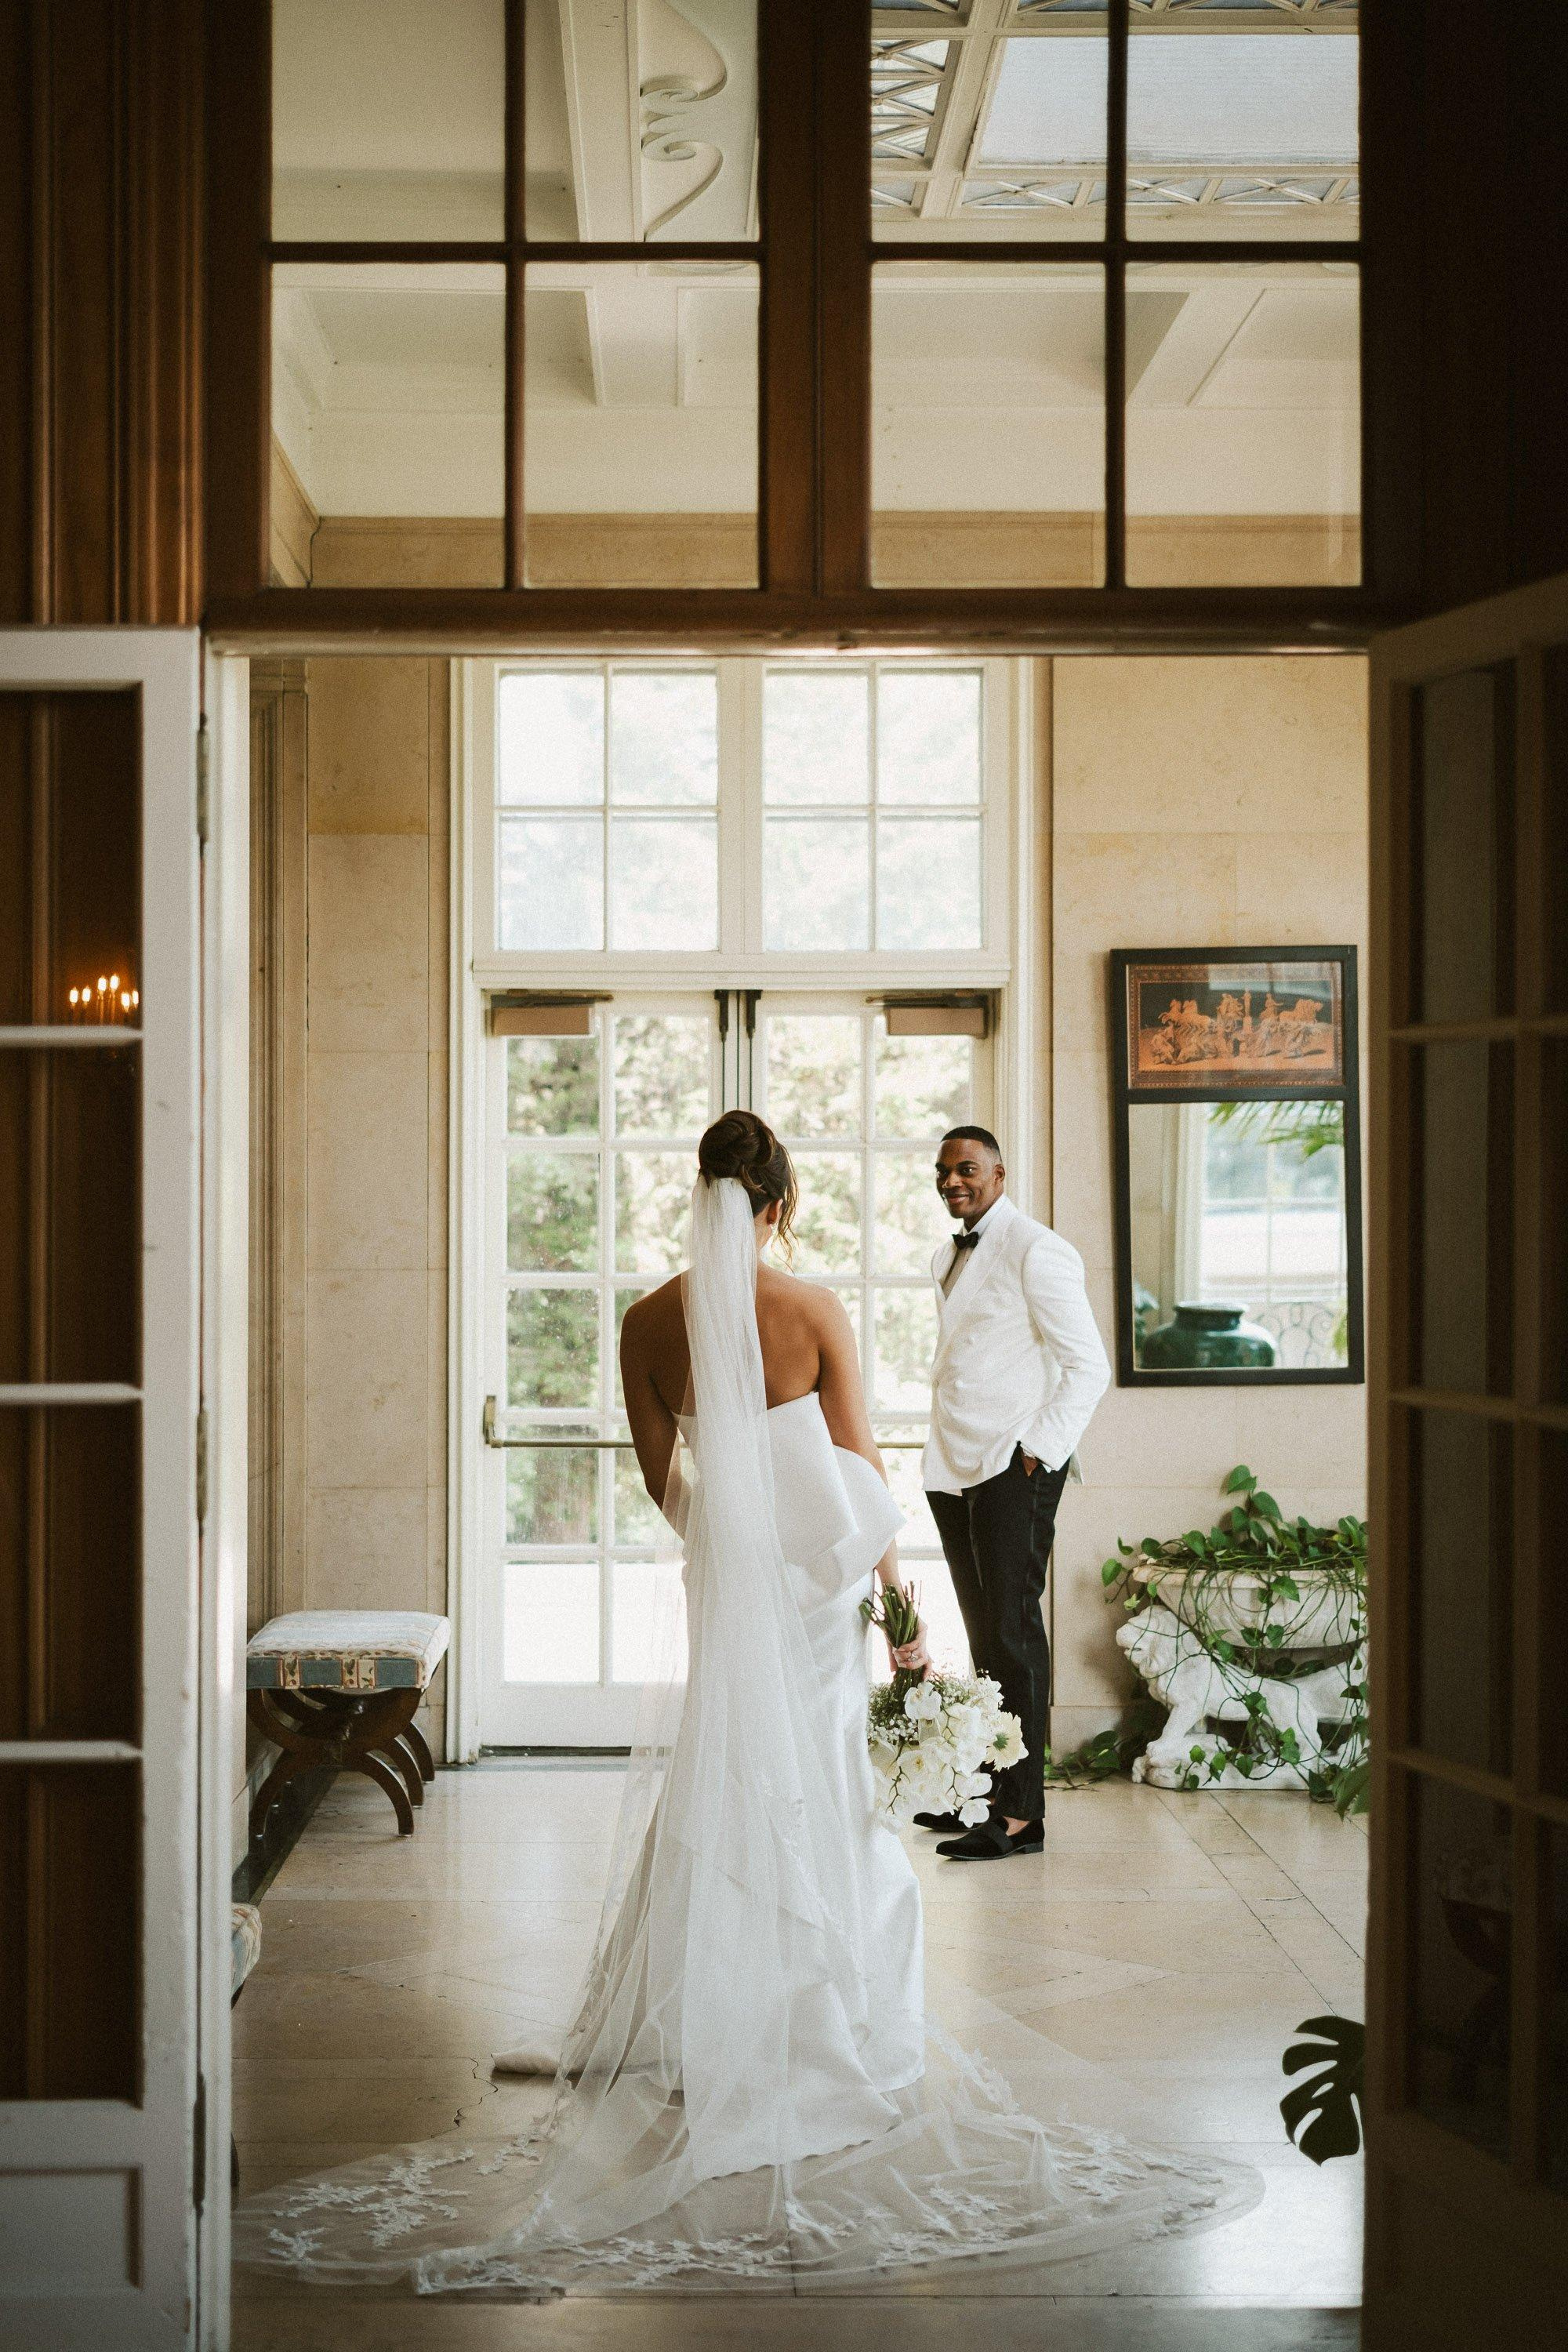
1018,1369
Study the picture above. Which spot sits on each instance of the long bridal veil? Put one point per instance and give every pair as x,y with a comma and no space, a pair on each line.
718,2117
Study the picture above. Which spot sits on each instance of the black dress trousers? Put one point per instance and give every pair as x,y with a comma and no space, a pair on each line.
997,1538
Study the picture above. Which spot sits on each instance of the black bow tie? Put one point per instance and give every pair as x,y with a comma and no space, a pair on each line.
966,1241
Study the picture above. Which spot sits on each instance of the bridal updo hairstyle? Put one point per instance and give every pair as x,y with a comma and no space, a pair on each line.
743,1146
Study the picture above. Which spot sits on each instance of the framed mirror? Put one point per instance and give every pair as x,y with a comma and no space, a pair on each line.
1237,1154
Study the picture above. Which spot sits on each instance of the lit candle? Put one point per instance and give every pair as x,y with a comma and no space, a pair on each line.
102,985
76,1000
135,1000
125,1000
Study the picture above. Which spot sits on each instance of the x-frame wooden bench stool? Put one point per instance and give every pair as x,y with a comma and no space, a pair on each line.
340,1688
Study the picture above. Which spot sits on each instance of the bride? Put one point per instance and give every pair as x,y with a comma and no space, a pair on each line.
753,2091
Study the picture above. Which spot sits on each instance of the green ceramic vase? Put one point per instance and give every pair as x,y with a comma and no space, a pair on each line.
1202,1339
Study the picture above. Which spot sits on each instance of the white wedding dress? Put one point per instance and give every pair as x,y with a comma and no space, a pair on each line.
753,2091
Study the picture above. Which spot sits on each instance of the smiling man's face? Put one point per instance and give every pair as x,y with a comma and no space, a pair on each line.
969,1177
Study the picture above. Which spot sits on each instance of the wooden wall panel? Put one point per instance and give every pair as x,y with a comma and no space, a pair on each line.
17,486
100,170
71,1573
1466,319
69,1999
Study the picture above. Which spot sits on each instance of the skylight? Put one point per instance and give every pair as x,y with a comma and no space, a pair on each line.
1219,99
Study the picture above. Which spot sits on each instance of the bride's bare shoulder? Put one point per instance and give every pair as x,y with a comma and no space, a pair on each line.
648,1317
808,1302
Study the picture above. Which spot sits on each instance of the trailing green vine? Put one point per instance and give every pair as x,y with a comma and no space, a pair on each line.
1244,1594
1109,1755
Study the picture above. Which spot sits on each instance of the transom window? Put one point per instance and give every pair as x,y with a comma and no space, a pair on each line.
570,308
608,785
764,811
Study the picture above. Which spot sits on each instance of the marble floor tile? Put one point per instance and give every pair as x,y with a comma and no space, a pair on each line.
338,2322
1144,1976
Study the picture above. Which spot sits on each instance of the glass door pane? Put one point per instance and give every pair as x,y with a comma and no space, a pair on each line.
592,1156
862,1114
592,1159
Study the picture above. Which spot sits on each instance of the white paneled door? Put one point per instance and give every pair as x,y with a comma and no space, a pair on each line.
101,2140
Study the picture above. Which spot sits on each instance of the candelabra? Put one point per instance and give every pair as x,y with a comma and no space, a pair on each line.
111,1003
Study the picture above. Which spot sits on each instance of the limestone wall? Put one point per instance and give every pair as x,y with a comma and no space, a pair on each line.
1204,802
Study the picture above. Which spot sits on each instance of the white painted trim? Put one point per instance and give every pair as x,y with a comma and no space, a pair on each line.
52,1392
226,1354
50,1038
669,970
68,1751
473,699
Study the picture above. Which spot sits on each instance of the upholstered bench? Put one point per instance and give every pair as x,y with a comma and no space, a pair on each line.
340,1687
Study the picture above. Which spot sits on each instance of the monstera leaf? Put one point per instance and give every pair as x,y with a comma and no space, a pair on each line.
1322,2115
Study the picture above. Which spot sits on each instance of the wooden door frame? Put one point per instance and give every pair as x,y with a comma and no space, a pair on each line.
815,255
1507,2205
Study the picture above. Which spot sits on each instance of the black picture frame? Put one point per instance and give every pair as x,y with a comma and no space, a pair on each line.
1135,1078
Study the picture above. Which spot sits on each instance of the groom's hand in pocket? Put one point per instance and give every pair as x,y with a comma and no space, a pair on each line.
1031,1463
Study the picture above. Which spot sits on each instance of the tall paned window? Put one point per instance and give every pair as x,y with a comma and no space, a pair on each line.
774,322
695,884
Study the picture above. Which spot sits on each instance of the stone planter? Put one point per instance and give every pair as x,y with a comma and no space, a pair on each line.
1323,1619
1165,1651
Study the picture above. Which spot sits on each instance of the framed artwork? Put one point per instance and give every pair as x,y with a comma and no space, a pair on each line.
1227,1021
1236,1157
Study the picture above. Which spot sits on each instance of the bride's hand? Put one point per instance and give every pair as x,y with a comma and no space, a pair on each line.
914,1657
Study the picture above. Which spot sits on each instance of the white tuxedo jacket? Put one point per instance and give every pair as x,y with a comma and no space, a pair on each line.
1019,1360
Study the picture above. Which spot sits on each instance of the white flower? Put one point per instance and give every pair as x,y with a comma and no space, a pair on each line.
1007,1741
929,1750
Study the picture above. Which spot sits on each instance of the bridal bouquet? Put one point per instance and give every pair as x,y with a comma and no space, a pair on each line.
934,1738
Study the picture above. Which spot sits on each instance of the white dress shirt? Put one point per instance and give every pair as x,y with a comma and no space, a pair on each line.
1019,1360
960,1258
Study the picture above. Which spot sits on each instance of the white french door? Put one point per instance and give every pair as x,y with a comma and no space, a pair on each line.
590,1154
104,2135
589,1158
862,1112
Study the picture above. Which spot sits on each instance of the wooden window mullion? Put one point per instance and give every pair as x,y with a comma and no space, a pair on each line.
236,487
844,292
786,342
1533,1958
1116,299
516,226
